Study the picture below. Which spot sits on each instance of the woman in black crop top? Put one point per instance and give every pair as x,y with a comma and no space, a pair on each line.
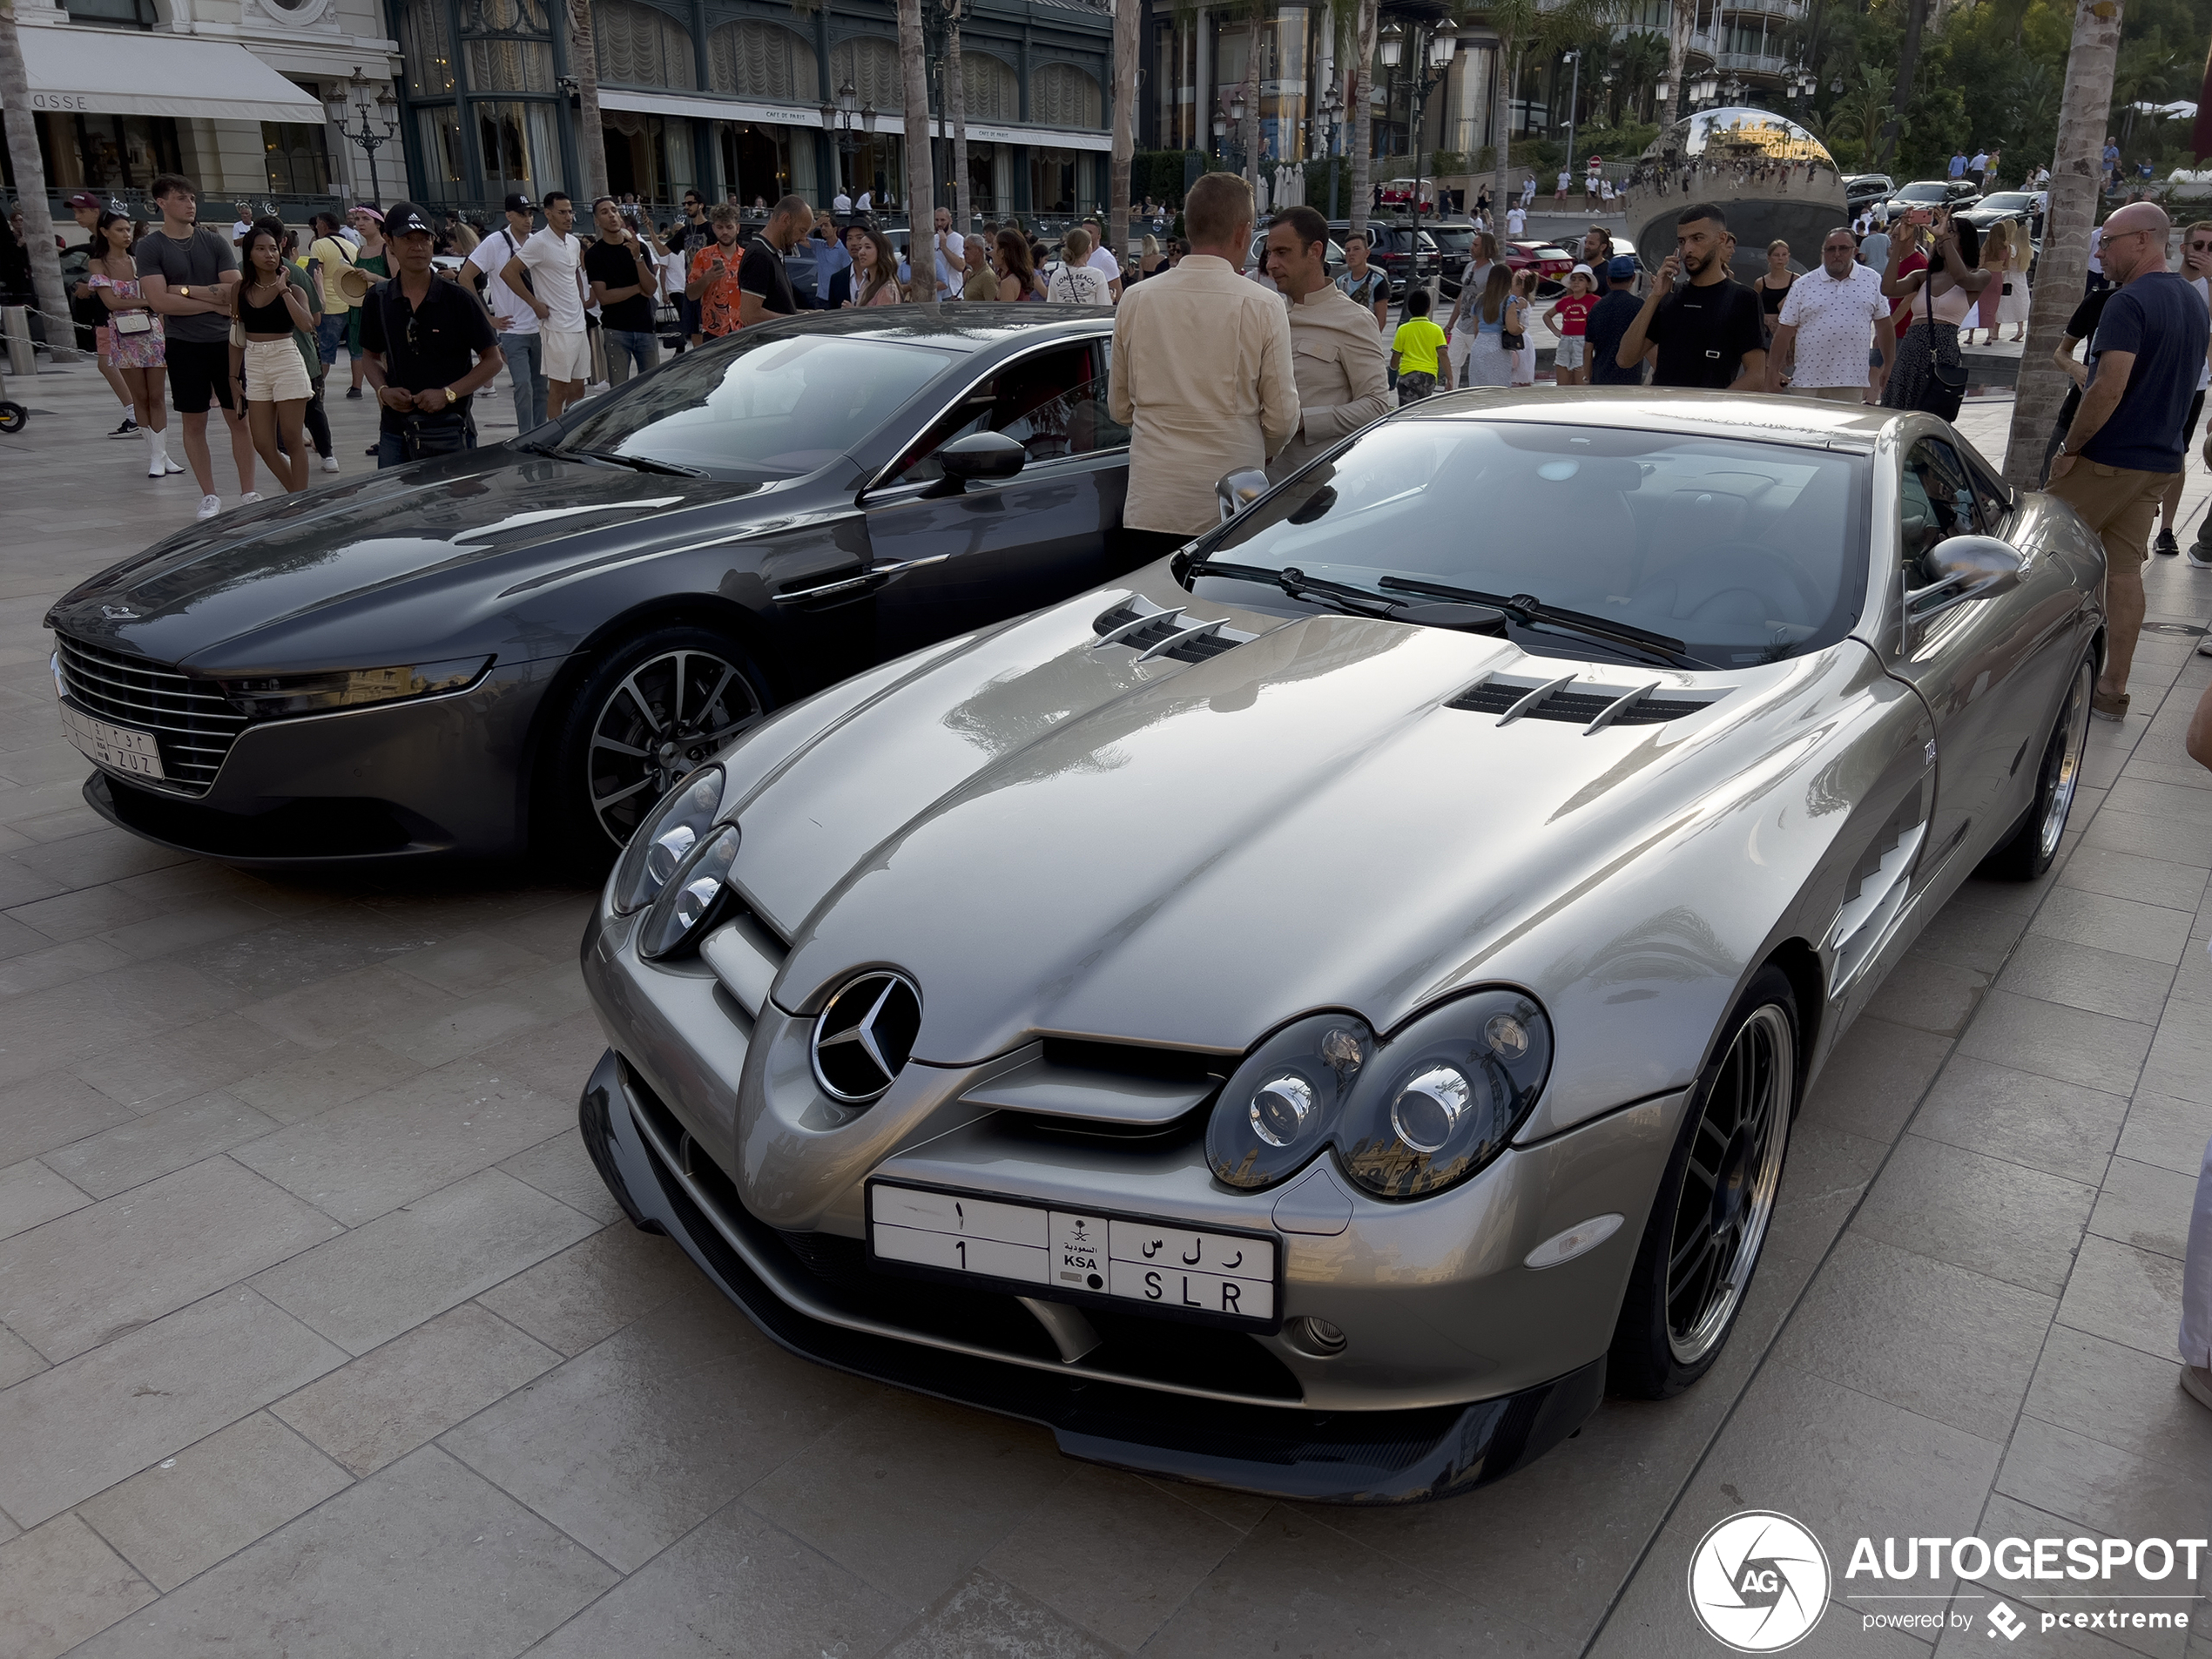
274,315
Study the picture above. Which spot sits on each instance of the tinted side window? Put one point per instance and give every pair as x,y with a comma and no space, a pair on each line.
1935,500
1051,401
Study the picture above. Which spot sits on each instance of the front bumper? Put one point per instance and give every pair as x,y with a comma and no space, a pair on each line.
1361,1457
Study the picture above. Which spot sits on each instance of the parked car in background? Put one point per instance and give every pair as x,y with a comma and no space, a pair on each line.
2023,205
1865,189
1551,263
523,646
1404,254
1933,194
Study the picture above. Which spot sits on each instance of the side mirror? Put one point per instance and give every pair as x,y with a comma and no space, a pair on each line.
1235,491
979,455
1959,568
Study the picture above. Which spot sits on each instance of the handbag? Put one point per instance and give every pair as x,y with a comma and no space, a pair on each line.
1946,386
131,323
1512,340
443,433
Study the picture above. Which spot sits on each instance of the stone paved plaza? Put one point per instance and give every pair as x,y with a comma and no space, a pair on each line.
319,1335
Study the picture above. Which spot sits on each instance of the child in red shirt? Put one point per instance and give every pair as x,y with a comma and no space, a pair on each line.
1569,318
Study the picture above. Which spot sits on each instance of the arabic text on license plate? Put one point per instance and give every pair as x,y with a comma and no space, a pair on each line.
117,747
1140,1261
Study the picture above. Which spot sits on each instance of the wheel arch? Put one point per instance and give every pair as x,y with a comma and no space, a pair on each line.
1800,964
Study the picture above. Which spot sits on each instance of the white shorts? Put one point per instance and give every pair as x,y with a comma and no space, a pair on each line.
275,373
568,357
1570,353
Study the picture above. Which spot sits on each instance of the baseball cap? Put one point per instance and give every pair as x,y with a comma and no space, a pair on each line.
1620,268
519,203
404,219
83,199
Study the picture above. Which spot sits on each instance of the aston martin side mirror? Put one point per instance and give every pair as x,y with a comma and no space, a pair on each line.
1235,491
980,456
1962,568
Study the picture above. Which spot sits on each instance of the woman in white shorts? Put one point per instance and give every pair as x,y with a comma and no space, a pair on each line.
273,310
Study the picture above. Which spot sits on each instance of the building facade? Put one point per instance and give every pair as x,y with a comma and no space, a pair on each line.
739,98
230,93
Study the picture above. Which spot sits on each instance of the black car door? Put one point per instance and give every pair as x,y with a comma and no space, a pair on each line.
959,558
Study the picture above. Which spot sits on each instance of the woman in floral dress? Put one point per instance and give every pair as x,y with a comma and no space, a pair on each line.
131,341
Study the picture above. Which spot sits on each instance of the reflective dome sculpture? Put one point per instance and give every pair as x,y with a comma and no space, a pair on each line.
1771,176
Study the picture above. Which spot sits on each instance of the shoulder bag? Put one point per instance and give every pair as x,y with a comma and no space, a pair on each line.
1511,338
1946,384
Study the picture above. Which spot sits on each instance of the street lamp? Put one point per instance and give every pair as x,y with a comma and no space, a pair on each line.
1430,62
848,124
386,109
1574,97
1331,112
1732,92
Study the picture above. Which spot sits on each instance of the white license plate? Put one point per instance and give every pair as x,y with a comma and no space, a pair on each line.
1155,1263
117,747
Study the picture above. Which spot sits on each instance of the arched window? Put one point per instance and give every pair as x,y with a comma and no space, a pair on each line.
427,48
871,63
762,60
641,46
992,91
1063,96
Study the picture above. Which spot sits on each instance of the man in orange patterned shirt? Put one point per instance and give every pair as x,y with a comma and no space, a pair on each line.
714,280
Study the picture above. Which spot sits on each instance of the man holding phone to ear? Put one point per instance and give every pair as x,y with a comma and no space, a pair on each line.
1710,332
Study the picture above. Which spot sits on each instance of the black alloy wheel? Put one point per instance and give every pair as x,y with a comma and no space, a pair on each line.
1710,1220
2029,850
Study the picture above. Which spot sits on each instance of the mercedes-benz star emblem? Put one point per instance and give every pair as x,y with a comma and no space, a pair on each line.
865,1035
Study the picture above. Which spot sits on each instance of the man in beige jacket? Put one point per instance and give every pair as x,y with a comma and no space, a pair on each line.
1340,362
1200,372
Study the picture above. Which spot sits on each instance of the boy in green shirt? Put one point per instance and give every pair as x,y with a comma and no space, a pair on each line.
1417,353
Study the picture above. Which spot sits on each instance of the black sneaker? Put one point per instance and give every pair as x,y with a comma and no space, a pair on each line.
353,392
128,429
2166,546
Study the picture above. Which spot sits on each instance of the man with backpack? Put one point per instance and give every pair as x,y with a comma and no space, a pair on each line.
512,314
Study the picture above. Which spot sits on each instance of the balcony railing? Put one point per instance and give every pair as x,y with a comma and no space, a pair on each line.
1752,63
1772,8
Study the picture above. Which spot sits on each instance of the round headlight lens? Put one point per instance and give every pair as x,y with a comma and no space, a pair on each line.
1507,1038
693,894
666,839
1446,1095
1430,1104
1284,1109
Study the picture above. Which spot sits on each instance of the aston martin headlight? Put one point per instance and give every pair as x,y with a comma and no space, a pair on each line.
666,839
1279,1108
270,697
696,893
1446,1095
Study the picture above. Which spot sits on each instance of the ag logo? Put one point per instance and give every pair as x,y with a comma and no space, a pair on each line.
1758,1581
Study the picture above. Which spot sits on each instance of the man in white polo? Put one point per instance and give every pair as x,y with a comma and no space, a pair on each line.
548,272
1827,320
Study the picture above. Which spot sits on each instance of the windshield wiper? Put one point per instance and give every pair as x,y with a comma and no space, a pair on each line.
1358,602
637,463
1529,611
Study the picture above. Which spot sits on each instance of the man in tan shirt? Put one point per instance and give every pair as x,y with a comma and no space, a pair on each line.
1201,371
1341,364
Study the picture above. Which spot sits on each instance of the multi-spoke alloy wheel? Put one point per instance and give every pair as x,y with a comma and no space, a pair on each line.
665,718
1727,1188
2029,850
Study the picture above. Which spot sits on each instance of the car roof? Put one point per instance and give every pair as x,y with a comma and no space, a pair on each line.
963,326
1726,414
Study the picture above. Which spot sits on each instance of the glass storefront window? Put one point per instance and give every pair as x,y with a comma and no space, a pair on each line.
299,163
1052,181
438,131
520,146
109,152
428,47
648,156
510,66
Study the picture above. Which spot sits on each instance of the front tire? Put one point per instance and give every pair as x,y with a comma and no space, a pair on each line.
2034,843
1708,1222
653,708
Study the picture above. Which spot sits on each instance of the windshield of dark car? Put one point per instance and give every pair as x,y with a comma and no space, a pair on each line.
1747,552
2009,199
776,406
1923,193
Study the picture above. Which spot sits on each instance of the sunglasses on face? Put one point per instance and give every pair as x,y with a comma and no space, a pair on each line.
2201,247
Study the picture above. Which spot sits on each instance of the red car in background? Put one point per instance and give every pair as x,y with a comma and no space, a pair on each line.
1551,265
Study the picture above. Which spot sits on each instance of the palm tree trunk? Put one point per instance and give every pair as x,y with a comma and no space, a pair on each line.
956,110
1508,83
1128,16
1908,60
921,195
1680,21
2061,270
30,192
590,132
1248,134
1359,109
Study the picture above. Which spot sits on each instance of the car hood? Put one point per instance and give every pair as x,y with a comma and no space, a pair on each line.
336,548
1052,837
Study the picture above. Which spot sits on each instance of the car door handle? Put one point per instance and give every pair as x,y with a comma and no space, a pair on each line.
848,584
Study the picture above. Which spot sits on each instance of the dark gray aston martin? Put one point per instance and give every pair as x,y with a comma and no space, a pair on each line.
527,645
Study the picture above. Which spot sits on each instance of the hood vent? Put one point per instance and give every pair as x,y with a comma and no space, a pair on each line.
1592,706
1150,631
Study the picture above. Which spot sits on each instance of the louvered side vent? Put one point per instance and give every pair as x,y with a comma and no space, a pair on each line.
1143,627
1579,706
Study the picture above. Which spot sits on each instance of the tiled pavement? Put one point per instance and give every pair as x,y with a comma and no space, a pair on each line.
318,1335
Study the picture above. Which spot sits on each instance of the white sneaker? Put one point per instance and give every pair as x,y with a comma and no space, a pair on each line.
2196,555
330,463
210,505
249,498
2196,1383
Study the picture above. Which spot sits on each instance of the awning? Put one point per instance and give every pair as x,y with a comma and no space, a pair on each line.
116,71
706,106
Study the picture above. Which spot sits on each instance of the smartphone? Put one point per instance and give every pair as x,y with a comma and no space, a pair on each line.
1920,216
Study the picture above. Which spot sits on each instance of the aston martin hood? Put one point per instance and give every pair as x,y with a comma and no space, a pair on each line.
289,558
1052,837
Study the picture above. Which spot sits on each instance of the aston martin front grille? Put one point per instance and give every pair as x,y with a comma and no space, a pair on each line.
194,724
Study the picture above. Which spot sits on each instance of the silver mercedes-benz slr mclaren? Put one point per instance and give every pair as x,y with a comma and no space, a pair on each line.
1314,1014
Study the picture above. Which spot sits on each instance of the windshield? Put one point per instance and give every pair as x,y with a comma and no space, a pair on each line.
1746,552
1923,193
2010,198
774,407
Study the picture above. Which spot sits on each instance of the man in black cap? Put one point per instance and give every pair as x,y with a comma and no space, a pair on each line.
420,335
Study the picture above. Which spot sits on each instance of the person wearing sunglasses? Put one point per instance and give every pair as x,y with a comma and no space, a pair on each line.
428,346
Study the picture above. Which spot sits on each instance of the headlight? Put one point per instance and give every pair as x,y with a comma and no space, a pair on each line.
695,896
1407,1117
665,840
273,696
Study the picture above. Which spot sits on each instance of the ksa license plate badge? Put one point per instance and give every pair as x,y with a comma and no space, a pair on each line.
1168,1267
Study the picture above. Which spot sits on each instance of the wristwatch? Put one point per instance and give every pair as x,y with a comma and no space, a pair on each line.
452,396
184,293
